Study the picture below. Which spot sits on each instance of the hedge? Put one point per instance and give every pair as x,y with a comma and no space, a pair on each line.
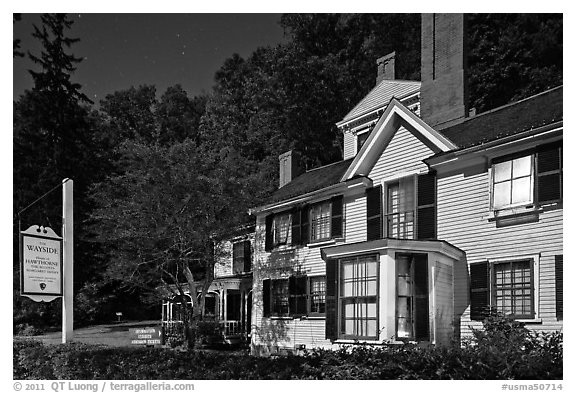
540,360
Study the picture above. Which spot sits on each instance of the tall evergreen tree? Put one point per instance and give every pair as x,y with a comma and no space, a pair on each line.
53,140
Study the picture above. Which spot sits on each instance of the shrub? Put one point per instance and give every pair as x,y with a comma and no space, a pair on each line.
488,356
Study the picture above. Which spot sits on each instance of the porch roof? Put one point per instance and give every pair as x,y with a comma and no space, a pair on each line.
383,245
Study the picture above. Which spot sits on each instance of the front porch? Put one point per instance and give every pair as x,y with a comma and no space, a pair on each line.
226,315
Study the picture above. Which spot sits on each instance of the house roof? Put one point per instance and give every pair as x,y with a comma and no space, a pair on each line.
532,112
313,180
381,95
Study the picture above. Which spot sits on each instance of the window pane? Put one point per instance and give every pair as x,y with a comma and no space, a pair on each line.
522,166
501,194
371,329
502,171
521,190
371,288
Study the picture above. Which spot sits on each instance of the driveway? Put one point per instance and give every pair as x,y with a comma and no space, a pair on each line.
114,334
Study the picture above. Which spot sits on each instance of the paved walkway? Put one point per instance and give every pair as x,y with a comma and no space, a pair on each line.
115,334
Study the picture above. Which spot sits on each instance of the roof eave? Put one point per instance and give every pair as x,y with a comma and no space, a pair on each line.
552,130
360,181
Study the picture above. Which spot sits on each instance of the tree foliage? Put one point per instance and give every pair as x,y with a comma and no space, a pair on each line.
513,56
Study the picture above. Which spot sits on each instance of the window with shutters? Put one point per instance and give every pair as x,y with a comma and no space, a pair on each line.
306,223
282,229
412,321
410,208
241,257
295,296
504,286
532,178
358,297
513,182
317,295
320,220
279,296
512,288
400,209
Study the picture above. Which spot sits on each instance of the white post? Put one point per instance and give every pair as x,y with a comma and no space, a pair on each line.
68,256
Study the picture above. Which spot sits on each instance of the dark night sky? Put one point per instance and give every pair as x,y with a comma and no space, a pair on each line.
123,50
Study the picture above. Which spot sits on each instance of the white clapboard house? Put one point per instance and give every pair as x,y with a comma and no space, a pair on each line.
433,216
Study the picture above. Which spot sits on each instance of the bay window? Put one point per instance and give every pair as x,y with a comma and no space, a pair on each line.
358,288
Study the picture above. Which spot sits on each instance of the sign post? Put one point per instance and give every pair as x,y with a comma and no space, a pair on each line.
47,260
68,254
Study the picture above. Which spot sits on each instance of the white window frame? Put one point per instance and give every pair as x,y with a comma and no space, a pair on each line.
492,185
275,224
535,258
342,299
387,183
320,206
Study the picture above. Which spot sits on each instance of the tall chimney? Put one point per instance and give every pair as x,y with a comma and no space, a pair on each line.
289,166
386,67
443,93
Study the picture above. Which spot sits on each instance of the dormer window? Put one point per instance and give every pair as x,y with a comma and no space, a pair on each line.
361,139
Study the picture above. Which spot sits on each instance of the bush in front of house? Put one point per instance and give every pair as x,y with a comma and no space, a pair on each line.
504,349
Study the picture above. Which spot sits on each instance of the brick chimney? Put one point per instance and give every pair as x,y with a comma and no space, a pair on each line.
443,93
386,67
290,166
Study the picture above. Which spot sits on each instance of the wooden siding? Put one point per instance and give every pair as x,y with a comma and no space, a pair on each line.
355,218
284,332
463,220
403,154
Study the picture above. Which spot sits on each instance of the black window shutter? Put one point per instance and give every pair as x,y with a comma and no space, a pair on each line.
304,224
426,215
337,216
374,213
422,322
549,174
266,297
296,217
331,299
297,295
247,256
559,262
269,233
479,291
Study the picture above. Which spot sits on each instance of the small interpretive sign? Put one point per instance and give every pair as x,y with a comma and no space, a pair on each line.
40,262
145,336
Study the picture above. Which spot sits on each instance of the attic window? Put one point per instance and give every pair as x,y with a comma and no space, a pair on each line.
361,139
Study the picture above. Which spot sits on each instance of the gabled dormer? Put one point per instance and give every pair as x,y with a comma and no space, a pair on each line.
359,122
